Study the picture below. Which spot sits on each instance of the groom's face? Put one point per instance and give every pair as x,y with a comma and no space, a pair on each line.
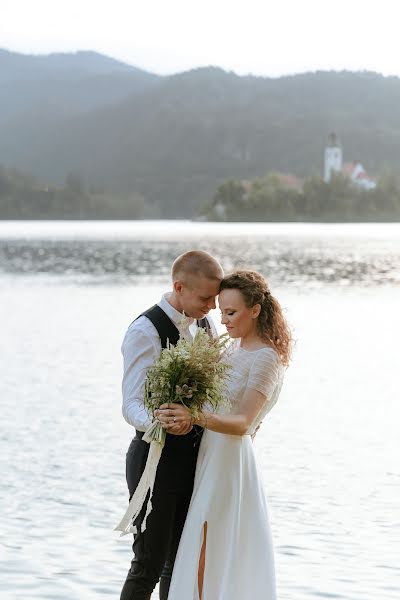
197,295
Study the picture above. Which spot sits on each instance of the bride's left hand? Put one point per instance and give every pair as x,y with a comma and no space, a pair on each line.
175,418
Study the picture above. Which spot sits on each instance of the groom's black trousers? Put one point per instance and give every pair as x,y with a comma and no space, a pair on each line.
155,548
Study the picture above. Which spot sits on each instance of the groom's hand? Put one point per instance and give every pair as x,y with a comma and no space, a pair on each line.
180,429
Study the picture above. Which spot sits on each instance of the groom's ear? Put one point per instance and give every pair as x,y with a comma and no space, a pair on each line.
178,286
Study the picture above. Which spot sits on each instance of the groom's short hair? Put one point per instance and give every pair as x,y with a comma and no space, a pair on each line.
196,262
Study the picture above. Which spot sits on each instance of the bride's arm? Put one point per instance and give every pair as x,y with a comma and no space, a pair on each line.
239,422
262,380
234,424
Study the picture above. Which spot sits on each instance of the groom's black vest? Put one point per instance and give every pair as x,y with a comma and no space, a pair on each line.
178,460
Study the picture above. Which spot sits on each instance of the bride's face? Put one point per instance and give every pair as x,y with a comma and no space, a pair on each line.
239,319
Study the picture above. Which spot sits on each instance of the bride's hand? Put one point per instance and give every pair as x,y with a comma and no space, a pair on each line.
253,435
175,418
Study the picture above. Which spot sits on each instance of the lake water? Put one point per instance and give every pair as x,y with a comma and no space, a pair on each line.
329,450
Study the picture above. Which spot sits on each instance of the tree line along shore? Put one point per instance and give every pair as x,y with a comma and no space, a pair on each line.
266,198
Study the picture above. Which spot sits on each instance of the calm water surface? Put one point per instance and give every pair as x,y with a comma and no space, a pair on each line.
329,450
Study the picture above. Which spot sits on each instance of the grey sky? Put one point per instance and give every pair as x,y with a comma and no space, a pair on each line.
267,37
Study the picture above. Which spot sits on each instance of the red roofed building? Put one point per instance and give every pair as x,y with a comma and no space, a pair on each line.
290,181
358,175
353,170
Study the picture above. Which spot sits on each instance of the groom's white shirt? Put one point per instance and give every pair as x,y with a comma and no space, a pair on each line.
140,348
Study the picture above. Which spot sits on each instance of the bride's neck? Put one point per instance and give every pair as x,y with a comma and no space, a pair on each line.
252,341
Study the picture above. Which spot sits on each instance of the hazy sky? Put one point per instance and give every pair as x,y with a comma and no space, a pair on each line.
263,37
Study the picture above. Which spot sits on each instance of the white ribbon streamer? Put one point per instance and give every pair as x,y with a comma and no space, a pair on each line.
145,484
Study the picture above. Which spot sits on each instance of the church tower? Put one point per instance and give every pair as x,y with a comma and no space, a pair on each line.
333,157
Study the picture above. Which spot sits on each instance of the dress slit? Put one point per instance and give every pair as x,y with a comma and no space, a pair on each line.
202,561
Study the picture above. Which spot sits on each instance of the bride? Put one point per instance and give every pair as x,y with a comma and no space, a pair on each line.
226,552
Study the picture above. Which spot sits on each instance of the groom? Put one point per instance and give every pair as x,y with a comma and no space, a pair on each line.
196,278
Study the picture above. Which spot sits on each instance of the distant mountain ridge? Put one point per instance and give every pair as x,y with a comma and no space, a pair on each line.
175,139
14,66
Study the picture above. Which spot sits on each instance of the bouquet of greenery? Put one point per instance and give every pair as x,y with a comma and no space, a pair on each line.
192,373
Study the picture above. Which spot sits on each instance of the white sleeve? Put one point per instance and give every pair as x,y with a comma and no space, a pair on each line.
262,381
264,372
140,348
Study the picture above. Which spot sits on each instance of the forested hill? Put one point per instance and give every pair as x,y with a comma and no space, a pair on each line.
60,85
175,139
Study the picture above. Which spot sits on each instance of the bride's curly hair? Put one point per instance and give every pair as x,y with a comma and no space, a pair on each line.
271,324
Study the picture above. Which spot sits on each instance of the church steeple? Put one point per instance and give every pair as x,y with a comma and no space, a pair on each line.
333,157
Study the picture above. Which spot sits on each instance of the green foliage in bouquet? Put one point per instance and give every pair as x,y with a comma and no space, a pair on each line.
190,373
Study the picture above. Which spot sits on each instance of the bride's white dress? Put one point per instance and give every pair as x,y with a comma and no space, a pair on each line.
228,495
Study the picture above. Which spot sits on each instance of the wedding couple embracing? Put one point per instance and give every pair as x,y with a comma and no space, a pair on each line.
208,535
